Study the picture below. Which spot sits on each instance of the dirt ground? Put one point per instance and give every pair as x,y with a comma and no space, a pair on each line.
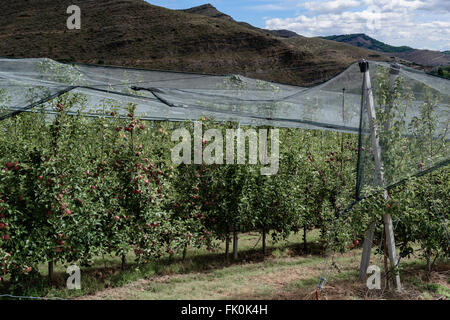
287,278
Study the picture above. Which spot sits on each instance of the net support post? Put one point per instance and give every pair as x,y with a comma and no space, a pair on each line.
394,72
369,104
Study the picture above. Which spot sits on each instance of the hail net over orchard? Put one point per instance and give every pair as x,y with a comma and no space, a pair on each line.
412,110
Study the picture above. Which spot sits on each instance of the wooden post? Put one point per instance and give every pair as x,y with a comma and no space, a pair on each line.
390,242
369,104
385,255
367,248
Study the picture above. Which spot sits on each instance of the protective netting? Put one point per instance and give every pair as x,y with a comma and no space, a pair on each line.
412,134
412,113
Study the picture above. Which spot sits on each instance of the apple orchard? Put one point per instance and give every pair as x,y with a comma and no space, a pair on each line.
74,187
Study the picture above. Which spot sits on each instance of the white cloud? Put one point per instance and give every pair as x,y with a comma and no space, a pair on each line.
268,7
331,6
440,6
416,23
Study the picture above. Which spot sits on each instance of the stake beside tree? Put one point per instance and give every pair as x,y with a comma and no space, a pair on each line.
369,104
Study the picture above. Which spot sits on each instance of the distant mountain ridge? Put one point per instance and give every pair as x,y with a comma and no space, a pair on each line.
209,10
138,34
364,41
421,57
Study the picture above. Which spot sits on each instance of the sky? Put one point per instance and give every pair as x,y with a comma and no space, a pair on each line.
421,24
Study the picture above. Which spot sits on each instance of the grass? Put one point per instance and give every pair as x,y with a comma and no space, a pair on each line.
287,272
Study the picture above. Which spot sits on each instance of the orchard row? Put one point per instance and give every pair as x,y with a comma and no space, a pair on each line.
73,187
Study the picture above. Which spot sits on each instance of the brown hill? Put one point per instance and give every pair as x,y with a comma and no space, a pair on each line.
136,33
209,10
425,57
421,57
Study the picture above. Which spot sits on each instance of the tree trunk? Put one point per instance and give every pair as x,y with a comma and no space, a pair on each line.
235,245
124,261
264,242
305,244
50,271
227,247
184,252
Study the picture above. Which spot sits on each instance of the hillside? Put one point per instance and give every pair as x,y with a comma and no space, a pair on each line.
422,57
136,33
209,10
364,41
425,57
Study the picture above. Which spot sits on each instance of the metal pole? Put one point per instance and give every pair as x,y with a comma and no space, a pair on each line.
369,104
368,238
388,228
393,75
